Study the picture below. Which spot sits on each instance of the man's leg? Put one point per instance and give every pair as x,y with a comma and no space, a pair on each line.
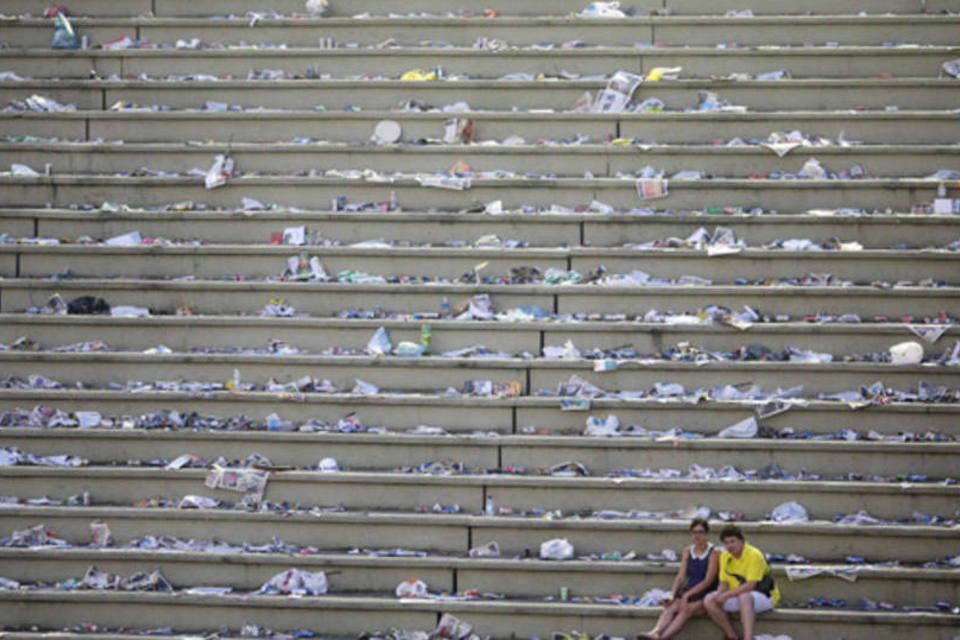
747,615
718,615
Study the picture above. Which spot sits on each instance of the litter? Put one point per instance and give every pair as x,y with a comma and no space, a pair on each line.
219,172
411,588
602,10
654,598
35,536
803,572
790,512
379,344
449,627
387,132
296,582
617,94
251,482
747,428
556,549
488,550
64,36
317,8
906,353
198,502
602,425
99,535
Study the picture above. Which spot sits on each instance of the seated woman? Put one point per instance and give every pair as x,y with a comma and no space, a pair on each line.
696,577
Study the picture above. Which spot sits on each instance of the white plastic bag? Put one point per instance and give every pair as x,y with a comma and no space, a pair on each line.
412,588
744,429
906,353
451,627
654,597
602,425
488,550
790,512
379,344
296,582
219,172
317,8
556,549
602,10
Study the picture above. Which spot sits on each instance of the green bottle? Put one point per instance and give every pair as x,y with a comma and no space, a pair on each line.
426,339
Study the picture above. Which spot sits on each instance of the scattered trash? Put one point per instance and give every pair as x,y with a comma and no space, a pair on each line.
556,549
790,512
387,132
412,588
220,172
452,628
99,535
747,428
488,550
602,10
906,353
317,8
64,36
296,582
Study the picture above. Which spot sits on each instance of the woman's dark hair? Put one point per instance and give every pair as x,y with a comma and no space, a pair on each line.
700,522
731,531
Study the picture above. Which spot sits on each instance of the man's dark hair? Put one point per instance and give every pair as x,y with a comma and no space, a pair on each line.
731,531
700,522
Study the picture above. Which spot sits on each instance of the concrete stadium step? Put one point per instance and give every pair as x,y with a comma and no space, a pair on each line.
213,298
778,30
806,62
456,534
871,78
352,615
350,574
459,415
185,333
786,196
366,452
184,8
773,95
261,261
399,492
434,375
881,161
541,229
870,127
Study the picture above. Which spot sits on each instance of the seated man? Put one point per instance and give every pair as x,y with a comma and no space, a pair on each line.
746,585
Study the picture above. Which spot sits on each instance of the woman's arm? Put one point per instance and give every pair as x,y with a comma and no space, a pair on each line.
681,576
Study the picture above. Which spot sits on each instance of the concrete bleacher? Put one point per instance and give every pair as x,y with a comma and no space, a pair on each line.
120,163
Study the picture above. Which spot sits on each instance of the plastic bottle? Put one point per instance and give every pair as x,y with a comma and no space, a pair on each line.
488,508
444,307
426,339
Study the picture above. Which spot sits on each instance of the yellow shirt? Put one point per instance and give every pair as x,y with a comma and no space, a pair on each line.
751,566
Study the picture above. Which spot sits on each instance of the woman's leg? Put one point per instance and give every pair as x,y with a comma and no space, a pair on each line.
669,613
688,611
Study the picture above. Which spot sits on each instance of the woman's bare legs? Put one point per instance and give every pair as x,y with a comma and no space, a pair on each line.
670,612
689,610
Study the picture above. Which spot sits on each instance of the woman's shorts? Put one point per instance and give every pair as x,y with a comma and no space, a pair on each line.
761,603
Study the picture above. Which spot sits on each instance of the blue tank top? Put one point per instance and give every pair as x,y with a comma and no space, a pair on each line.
697,566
